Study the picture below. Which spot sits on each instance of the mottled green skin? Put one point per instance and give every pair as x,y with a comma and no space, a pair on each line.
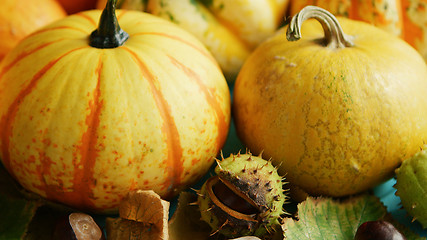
411,186
257,179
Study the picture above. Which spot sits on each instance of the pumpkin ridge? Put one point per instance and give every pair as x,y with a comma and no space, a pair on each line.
200,50
83,177
47,29
411,31
121,13
25,54
174,160
91,20
221,119
7,119
353,12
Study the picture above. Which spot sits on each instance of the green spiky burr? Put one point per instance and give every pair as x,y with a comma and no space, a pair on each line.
246,197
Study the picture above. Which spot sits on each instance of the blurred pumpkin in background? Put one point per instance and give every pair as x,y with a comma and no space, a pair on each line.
87,116
404,18
229,29
18,18
140,5
75,6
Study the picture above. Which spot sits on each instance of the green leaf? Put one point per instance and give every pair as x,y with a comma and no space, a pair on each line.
328,219
16,212
15,217
23,215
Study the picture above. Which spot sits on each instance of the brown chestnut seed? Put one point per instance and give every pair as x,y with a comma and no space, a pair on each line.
378,230
232,200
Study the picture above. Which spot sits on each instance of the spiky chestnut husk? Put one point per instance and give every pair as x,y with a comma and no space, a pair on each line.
245,198
411,186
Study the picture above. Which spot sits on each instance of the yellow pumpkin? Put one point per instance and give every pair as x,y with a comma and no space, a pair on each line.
404,18
229,29
87,117
339,109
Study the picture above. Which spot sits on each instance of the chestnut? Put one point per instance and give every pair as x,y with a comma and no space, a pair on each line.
378,230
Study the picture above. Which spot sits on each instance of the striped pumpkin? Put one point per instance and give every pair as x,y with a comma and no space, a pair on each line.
404,18
83,125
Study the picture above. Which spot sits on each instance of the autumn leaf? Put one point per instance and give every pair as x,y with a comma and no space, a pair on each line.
328,219
119,229
17,212
186,220
143,215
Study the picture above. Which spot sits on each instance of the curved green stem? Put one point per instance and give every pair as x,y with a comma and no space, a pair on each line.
109,34
334,35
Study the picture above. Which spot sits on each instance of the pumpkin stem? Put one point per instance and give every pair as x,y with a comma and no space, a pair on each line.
334,35
109,34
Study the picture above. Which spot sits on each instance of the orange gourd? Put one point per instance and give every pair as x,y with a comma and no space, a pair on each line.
404,18
87,116
19,18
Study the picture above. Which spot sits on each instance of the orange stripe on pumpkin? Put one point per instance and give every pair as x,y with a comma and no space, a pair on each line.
91,21
56,28
210,98
174,162
25,54
204,52
83,181
6,123
121,13
412,31
353,12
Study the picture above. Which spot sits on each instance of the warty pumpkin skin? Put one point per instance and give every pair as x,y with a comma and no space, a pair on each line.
83,125
339,119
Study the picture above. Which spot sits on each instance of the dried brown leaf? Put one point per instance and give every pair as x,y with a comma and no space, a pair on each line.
119,229
147,209
186,220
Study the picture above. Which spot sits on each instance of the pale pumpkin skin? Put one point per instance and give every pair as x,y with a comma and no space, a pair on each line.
19,18
84,126
338,121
